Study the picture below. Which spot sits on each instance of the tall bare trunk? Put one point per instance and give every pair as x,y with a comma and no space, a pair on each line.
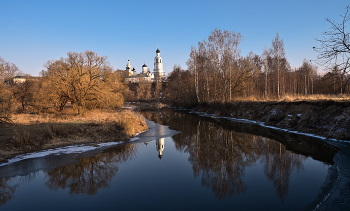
196,82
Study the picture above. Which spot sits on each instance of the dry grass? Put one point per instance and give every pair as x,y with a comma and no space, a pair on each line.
317,97
129,122
33,132
296,98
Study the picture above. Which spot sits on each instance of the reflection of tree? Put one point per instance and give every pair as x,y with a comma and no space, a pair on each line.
217,154
91,173
220,155
6,190
278,165
9,185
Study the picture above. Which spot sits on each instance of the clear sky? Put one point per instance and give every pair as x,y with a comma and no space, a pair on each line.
33,32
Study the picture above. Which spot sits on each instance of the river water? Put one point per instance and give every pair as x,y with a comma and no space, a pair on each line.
189,163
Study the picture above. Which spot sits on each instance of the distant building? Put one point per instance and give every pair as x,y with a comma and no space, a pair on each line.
16,79
129,70
132,77
19,79
146,75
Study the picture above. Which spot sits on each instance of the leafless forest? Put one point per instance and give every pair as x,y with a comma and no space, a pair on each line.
83,81
217,72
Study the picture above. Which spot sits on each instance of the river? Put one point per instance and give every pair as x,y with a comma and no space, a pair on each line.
184,162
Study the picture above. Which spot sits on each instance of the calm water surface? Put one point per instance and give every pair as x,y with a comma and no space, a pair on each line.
210,165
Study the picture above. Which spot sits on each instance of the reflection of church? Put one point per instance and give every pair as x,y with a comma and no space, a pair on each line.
160,147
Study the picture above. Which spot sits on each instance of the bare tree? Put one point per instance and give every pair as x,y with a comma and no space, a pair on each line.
334,49
266,56
24,92
7,71
84,79
278,54
225,45
215,60
194,55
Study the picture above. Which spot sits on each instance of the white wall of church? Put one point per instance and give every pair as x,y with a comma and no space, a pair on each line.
145,75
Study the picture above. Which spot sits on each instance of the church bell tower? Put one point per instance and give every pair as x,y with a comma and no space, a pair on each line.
158,66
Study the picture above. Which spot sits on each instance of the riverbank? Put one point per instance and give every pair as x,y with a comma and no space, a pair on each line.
35,132
330,119
315,119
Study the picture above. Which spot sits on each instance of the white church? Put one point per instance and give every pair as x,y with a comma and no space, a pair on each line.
146,75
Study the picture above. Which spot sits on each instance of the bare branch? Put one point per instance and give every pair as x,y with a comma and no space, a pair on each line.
334,47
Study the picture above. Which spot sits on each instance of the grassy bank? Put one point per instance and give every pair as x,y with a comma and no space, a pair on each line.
35,132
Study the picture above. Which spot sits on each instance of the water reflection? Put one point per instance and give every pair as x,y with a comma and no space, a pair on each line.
92,173
220,155
7,190
219,152
279,164
160,147
9,185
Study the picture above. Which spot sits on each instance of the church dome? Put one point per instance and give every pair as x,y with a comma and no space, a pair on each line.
158,51
144,65
128,65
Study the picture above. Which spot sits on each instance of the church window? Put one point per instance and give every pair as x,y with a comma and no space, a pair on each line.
160,60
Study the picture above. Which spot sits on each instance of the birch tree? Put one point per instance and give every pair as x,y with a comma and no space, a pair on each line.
215,58
225,46
278,54
266,56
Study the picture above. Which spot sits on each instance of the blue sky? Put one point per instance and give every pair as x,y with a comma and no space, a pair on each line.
33,32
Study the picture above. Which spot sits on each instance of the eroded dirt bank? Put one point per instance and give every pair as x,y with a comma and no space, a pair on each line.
329,119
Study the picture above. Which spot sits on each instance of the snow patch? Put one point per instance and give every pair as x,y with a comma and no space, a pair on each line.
67,150
322,202
203,114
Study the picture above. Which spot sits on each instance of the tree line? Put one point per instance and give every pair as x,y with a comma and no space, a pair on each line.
144,90
83,80
218,72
